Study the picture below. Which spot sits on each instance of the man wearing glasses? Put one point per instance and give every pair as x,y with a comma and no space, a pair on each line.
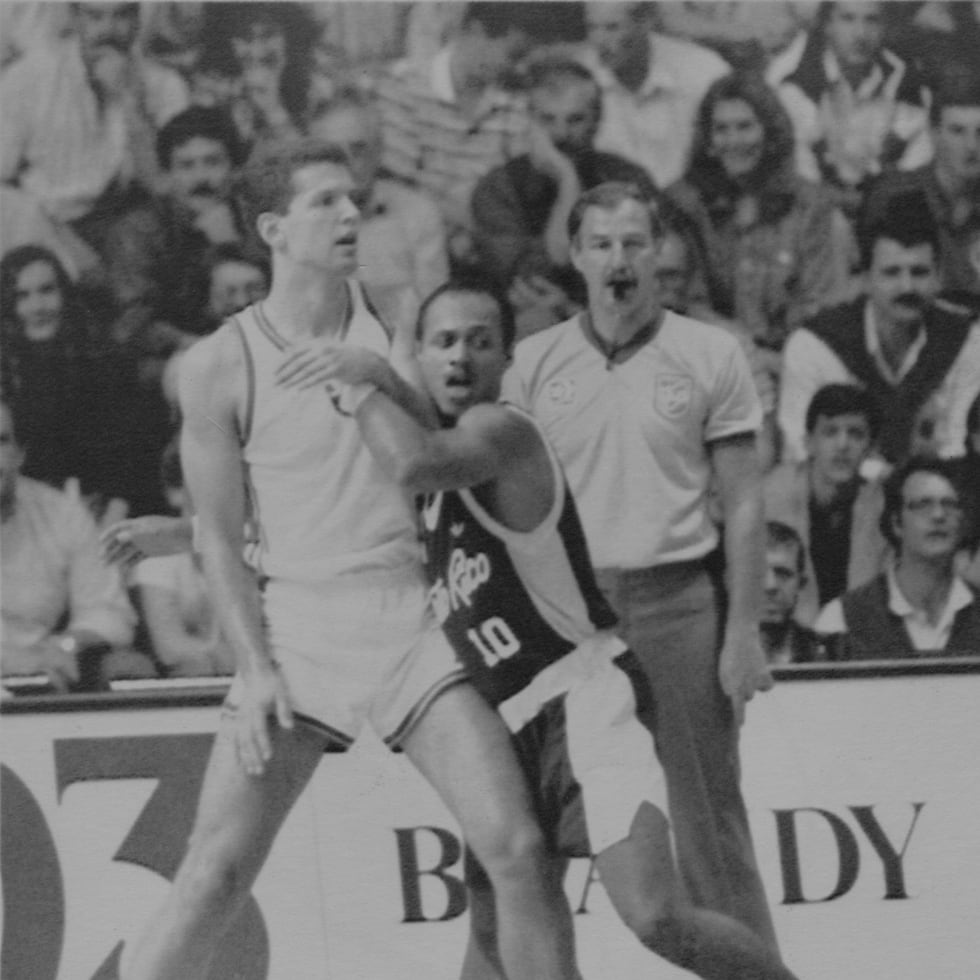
919,605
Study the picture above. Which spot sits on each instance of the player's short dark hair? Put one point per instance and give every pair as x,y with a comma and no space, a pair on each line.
266,182
780,535
894,487
904,218
472,282
843,399
200,121
610,195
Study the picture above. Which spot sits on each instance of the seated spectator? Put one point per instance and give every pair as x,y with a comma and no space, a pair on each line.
64,613
269,44
449,121
920,605
827,502
950,183
776,249
173,598
83,413
783,638
898,340
155,254
401,247
857,108
651,87
79,121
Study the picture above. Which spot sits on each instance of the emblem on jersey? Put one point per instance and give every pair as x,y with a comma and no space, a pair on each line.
457,528
430,511
466,574
561,391
672,394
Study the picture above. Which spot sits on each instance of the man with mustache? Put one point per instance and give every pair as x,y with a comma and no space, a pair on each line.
520,209
899,340
646,409
79,121
919,605
156,254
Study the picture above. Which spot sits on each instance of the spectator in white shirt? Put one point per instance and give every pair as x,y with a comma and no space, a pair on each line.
651,87
79,126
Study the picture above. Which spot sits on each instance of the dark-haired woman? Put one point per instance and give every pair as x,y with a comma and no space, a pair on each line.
776,248
81,411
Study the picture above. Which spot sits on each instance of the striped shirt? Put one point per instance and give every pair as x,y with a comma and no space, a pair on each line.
431,143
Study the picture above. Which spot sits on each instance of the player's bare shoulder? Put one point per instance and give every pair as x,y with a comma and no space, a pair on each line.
509,431
212,376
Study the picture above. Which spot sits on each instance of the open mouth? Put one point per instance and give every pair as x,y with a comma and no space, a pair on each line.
459,383
621,286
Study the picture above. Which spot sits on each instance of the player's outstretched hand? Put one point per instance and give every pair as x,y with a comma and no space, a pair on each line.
313,364
265,697
742,669
127,542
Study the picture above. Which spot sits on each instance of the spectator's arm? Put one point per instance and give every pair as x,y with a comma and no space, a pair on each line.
99,611
17,121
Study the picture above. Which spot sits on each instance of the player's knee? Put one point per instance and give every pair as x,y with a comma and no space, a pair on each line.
511,850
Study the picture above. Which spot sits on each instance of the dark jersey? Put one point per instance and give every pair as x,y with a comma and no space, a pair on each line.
511,603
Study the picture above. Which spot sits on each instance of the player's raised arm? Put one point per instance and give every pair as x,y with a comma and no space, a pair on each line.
210,385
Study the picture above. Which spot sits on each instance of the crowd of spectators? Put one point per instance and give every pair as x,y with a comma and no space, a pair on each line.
816,165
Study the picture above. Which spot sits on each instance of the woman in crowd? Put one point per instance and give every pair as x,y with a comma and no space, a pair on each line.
84,417
775,247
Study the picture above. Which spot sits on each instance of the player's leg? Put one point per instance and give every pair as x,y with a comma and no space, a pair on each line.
237,820
482,958
462,748
640,877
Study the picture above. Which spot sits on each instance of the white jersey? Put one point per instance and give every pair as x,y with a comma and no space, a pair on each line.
322,506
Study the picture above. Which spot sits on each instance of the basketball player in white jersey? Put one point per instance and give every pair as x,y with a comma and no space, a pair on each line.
512,584
333,633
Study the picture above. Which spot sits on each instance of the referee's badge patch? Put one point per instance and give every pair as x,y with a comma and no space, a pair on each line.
672,394
561,391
